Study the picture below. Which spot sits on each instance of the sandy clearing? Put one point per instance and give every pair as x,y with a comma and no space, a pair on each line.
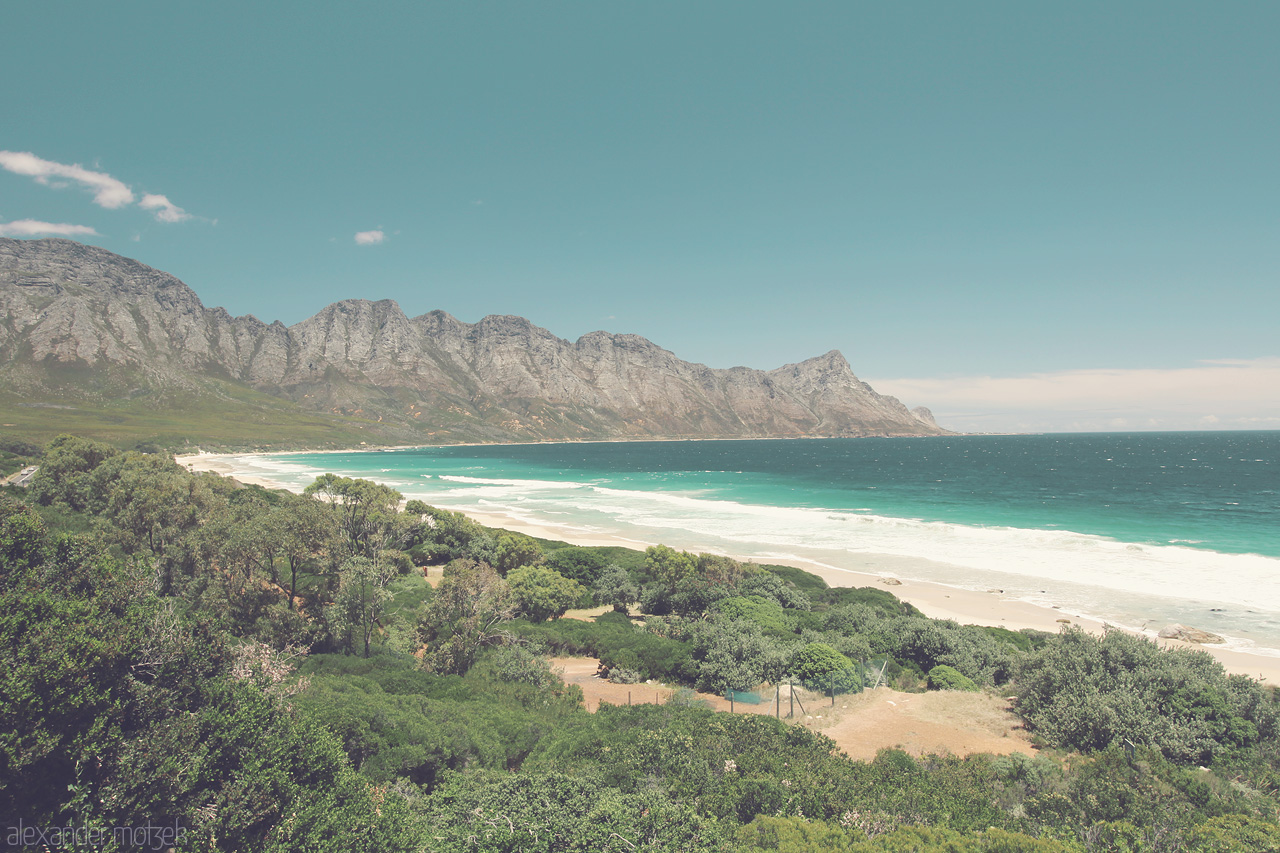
938,722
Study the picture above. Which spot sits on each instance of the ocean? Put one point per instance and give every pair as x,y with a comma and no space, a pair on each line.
1136,529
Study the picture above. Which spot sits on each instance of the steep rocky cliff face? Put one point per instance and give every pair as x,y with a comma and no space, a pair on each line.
86,321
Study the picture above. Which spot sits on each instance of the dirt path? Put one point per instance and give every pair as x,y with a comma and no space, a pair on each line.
582,672
861,725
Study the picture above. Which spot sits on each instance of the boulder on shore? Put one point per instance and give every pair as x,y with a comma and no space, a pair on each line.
1191,635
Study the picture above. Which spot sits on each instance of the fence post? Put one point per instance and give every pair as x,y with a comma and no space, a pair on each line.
791,688
777,700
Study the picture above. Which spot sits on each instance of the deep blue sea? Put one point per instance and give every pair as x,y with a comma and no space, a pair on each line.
1138,529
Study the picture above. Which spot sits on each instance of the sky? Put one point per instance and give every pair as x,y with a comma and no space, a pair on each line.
1025,216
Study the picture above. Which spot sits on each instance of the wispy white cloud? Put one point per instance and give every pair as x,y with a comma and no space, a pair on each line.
107,191
370,238
166,211
1220,394
33,228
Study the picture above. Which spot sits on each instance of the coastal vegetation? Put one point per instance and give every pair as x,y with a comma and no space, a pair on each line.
271,671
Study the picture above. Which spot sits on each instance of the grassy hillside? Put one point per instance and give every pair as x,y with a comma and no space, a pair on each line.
228,416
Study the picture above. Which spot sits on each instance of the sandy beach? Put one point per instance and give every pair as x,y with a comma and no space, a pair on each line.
970,607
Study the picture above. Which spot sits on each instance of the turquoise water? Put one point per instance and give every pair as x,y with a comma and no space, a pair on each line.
1136,528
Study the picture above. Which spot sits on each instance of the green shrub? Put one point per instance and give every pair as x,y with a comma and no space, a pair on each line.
806,582
943,677
770,586
881,601
617,643
764,612
820,667
1234,832
737,655
1087,693
542,593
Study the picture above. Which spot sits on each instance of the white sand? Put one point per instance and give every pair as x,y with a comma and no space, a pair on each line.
968,607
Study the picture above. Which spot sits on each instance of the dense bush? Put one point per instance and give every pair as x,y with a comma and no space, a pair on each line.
943,677
395,721
820,667
774,587
737,655
764,612
613,639
542,593
115,710
798,835
806,582
925,643
881,601
557,813
1085,692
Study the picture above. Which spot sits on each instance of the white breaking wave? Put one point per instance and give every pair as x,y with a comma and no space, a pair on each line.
1047,555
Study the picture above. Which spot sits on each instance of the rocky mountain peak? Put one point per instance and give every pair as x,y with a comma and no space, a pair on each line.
923,415
433,376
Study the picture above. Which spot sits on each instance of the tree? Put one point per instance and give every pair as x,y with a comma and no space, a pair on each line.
362,598
253,541
615,587
158,511
943,677
694,595
467,613
582,564
512,551
151,500
543,593
366,511
440,535
307,530
668,565
722,571
818,663
67,461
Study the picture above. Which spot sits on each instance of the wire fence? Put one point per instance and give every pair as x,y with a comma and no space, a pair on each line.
790,695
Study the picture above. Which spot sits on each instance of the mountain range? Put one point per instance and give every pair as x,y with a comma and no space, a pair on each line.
88,329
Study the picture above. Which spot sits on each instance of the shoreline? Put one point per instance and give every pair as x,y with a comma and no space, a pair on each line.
935,600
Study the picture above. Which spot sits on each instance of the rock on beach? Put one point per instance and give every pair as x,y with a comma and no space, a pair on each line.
1191,635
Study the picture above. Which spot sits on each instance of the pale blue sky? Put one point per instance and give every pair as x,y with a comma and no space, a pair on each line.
942,191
